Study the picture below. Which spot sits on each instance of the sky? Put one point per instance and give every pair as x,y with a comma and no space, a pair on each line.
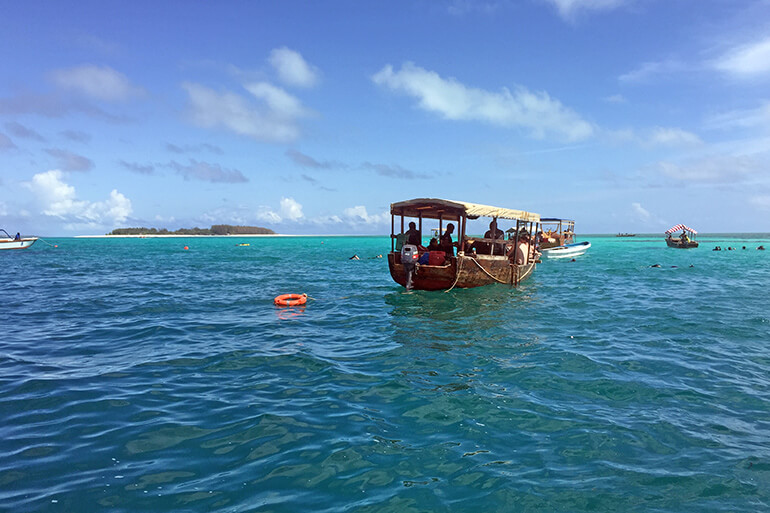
312,117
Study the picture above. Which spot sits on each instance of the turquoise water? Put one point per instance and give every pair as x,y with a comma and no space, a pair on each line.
139,376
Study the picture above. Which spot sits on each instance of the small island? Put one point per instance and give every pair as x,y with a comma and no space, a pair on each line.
217,229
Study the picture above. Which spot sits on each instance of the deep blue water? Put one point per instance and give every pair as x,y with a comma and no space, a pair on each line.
139,376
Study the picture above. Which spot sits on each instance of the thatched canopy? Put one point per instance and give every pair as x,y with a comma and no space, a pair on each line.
434,208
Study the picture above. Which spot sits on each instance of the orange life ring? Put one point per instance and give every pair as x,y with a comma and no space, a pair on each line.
291,299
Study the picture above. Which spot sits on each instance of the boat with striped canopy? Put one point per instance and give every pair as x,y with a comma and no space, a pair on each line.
685,240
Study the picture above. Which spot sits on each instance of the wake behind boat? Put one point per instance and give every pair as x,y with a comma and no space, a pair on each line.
17,242
567,250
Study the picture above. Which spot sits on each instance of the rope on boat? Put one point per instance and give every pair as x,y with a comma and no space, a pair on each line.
486,272
457,274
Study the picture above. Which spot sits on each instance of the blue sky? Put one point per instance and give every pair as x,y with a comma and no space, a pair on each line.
312,117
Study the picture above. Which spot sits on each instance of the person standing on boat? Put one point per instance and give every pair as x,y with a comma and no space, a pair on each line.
446,240
413,236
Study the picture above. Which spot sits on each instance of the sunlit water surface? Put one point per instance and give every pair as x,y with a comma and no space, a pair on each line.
140,376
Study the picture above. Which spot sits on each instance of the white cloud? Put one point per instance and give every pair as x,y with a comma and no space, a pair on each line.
640,212
743,118
274,120
616,98
747,60
116,208
59,199
99,82
536,112
266,214
280,102
292,68
291,209
568,9
661,136
714,170
658,136
358,214
650,70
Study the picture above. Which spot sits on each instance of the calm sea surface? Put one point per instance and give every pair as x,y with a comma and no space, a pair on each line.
139,376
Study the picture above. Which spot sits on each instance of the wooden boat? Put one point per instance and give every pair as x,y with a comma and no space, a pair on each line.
566,251
17,242
479,261
684,241
557,232
557,240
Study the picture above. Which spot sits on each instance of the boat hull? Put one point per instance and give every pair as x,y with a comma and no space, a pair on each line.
567,251
461,272
677,243
17,244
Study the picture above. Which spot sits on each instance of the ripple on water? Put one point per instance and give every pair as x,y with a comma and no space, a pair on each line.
150,378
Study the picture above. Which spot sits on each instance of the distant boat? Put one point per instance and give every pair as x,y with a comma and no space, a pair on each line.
567,250
684,241
17,242
626,235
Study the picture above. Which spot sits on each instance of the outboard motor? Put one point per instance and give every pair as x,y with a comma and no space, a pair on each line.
409,256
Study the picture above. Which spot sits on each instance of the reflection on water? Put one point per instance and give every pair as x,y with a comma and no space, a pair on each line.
289,312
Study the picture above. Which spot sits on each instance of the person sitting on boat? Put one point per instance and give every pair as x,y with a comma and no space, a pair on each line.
684,238
446,240
413,236
18,236
521,252
434,245
493,233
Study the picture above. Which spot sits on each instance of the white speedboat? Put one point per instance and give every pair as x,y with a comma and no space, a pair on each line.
567,250
17,242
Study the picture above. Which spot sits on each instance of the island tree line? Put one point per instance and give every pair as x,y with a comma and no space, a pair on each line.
217,229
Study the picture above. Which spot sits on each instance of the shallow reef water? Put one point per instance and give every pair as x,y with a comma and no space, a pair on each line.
140,376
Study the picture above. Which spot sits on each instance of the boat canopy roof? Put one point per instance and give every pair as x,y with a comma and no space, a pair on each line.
678,227
434,208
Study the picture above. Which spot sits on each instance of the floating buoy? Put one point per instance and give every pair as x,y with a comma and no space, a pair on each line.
290,299
186,247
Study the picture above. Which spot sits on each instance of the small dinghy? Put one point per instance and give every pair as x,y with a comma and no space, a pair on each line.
567,250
